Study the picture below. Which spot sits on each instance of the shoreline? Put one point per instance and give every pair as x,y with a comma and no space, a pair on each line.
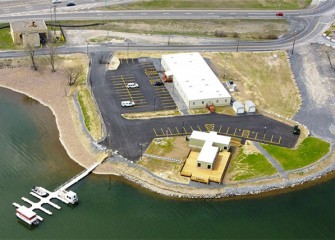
50,93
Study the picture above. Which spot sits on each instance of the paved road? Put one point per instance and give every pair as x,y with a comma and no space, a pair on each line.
126,136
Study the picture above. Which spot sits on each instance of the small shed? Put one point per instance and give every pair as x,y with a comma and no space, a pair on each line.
29,33
238,107
249,106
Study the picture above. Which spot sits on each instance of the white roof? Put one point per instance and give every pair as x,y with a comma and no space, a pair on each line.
238,105
195,77
208,153
211,137
249,103
26,212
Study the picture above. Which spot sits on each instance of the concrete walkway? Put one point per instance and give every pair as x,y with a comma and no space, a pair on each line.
280,170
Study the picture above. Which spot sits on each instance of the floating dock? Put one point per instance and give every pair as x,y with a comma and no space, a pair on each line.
60,193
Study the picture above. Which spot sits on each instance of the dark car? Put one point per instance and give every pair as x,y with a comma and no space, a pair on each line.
71,3
279,14
158,83
296,130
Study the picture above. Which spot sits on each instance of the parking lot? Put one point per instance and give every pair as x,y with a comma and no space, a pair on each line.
148,96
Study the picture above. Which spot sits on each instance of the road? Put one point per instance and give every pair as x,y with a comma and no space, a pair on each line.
130,136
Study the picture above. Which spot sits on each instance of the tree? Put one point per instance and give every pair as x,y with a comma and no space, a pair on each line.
51,55
30,49
74,73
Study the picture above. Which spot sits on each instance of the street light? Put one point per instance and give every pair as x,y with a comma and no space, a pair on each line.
238,41
295,35
141,149
264,130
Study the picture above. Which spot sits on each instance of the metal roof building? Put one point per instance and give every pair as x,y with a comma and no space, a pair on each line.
195,81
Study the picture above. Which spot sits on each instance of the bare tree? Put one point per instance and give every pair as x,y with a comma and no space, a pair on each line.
30,49
74,73
51,55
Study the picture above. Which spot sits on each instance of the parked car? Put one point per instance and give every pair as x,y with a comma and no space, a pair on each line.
56,1
127,104
279,14
71,3
158,83
132,85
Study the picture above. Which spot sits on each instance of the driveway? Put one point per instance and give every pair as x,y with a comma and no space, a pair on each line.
130,137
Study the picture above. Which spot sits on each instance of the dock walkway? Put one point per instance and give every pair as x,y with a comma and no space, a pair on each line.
56,194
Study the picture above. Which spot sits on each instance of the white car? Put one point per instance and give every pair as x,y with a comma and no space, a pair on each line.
127,104
132,85
56,1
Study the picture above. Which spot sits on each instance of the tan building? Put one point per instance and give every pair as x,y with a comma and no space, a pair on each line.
29,33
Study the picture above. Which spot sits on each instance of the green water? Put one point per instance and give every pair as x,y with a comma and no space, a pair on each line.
31,154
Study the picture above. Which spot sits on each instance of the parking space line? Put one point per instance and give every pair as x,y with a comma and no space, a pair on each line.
264,136
279,140
155,132
220,129
170,130
199,128
227,130
177,130
271,138
191,128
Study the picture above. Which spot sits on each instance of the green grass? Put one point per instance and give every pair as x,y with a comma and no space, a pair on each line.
82,95
161,146
247,166
215,4
308,152
6,41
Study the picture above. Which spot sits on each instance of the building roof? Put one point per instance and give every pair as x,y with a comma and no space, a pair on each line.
237,105
26,212
195,77
211,137
208,153
27,26
249,103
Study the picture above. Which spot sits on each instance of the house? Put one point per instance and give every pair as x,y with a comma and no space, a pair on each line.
29,33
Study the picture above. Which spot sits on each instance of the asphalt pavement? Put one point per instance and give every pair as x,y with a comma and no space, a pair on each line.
131,137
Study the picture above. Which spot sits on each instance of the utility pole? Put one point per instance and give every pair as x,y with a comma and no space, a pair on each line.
54,20
238,41
225,66
295,35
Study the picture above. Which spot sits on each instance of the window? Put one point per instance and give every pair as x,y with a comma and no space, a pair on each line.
217,101
202,102
193,103
208,166
199,164
225,100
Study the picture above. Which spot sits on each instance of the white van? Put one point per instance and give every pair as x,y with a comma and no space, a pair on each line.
132,85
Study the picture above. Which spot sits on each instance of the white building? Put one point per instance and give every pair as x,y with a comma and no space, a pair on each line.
238,107
210,144
195,81
250,107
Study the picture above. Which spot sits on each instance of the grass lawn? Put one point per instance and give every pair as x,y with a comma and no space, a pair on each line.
309,151
161,147
6,41
246,166
216,4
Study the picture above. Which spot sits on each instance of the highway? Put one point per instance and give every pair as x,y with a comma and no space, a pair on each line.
311,22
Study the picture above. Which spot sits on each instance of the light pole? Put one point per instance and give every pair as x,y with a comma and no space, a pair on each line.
238,41
55,19
127,49
225,67
264,130
295,35
141,150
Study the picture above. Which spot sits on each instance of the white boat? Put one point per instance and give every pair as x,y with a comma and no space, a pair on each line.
68,196
39,191
27,215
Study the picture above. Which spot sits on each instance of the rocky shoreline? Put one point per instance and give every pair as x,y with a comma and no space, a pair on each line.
48,89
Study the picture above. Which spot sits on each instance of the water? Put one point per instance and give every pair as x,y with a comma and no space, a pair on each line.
111,208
